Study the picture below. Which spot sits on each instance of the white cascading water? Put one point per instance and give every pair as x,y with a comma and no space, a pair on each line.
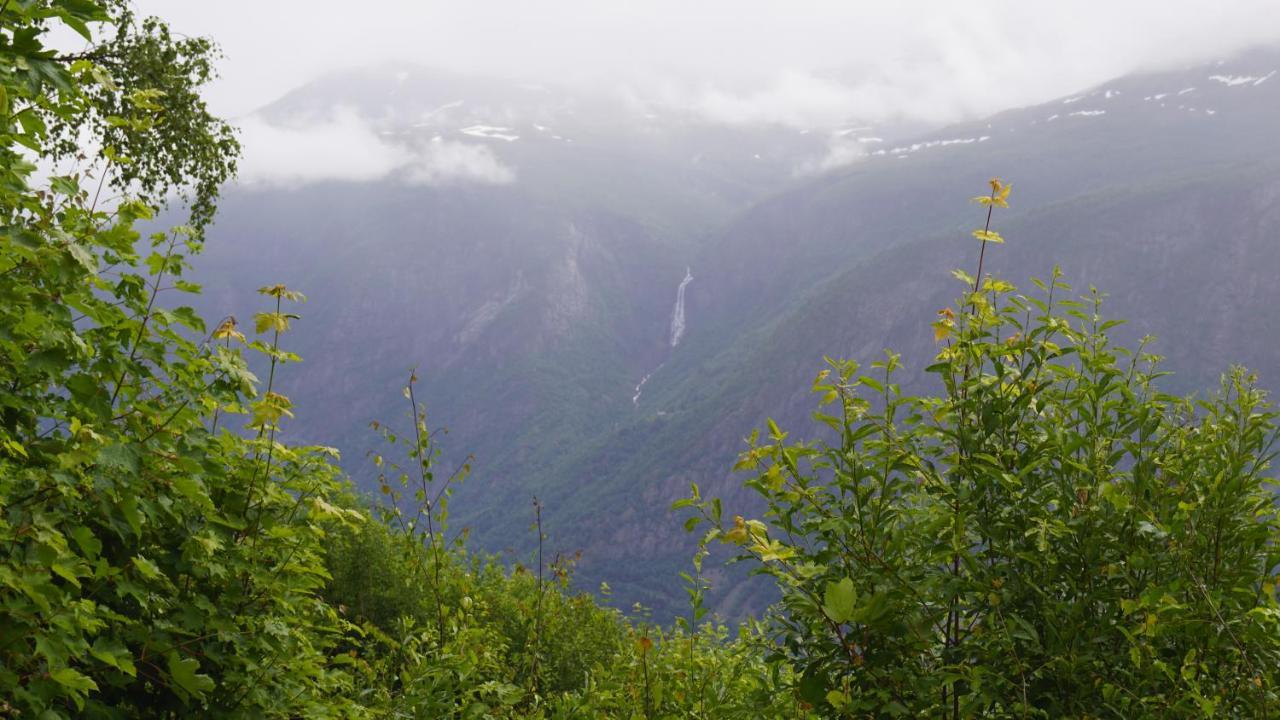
635,399
677,331
677,315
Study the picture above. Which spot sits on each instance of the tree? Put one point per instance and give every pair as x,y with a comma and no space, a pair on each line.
153,560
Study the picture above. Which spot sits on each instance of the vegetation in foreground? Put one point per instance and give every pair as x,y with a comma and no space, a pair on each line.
1048,536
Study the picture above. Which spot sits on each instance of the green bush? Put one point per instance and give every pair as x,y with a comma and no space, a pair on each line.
153,560
1050,536
437,631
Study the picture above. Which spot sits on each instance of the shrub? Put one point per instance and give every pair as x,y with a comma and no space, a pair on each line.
1049,536
150,552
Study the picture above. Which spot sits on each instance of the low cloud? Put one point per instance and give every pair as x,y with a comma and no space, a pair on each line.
443,162
842,150
344,147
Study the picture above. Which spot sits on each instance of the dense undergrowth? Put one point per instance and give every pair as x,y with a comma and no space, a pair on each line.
1049,536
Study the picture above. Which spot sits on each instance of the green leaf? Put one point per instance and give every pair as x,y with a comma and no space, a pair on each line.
119,457
113,653
838,699
66,572
839,600
73,680
129,508
812,687
88,543
183,671
147,568
776,432
191,488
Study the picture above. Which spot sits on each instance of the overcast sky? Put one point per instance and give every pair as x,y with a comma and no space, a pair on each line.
804,63
931,57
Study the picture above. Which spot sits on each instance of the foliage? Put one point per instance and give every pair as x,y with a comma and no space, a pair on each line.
1050,536
139,102
153,559
441,632
162,552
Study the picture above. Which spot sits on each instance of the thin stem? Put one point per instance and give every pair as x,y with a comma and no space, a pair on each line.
982,253
146,317
418,429
648,700
97,193
953,623
271,435
537,615
213,429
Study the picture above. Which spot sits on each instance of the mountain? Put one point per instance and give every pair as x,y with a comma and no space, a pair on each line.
533,309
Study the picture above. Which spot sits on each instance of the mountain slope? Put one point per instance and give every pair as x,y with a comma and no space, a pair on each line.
1173,211
534,309
531,307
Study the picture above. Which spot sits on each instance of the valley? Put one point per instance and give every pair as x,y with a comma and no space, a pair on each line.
602,326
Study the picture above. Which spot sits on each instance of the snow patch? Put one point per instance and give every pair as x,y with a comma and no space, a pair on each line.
426,116
490,131
1238,80
916,147
1088,113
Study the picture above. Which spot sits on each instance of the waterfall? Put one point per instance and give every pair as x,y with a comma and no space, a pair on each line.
635,399
677,332
677,315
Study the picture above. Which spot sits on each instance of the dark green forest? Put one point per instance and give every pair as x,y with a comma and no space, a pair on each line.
1051,533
